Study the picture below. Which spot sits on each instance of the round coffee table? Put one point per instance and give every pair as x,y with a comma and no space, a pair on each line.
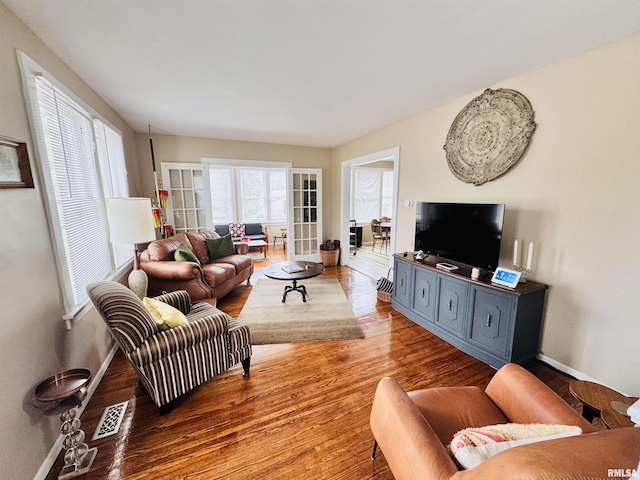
308,270
596,401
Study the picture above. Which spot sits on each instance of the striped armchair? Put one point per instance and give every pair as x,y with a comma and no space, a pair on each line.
172,362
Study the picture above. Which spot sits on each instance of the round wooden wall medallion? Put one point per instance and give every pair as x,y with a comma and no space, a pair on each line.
489,135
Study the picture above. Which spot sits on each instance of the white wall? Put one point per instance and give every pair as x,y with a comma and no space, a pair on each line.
575,193
34,343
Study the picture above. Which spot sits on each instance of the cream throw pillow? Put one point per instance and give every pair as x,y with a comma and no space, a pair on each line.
164,314
472,446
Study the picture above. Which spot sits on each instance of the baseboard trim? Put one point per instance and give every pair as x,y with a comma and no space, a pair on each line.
565,369
57,446
574,373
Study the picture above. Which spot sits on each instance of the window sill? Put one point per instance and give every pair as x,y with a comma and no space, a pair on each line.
73,317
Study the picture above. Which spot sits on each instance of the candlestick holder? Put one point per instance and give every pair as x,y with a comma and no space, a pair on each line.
524,272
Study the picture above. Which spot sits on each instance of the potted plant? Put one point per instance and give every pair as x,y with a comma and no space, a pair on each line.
329,252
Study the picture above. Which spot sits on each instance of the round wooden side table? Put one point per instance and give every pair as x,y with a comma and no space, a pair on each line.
299,271
596,402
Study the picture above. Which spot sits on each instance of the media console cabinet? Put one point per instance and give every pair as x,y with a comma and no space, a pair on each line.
494,324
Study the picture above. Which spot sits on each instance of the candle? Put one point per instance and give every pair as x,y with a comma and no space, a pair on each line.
529,255
515,253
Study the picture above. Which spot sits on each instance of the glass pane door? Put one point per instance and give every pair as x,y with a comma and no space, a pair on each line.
188,209
304,234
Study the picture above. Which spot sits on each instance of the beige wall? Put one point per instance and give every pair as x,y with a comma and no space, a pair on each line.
575,193
169,148
34,343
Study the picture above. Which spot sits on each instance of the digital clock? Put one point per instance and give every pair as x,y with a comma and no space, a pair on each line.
506,277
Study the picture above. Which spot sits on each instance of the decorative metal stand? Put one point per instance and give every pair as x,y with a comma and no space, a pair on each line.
63,394
295,288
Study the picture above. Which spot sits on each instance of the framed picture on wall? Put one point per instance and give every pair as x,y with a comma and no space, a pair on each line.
15,171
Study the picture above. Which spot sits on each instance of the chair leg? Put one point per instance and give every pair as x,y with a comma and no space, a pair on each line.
246,363
166,408
375,447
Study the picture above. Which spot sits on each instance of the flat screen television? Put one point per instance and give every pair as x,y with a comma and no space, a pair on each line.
468,233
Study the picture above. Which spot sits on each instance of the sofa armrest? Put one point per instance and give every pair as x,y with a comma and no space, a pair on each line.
410,446
179,299
172,270
176,339
523,398
594,455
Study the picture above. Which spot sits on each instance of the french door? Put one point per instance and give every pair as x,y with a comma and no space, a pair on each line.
189,202
189,207
304,232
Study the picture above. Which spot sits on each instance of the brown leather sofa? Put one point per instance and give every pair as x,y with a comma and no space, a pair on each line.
412,430
210,279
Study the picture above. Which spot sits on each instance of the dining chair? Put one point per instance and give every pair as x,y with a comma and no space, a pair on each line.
376,231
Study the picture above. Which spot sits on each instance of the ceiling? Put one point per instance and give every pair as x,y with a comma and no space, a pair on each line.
308,72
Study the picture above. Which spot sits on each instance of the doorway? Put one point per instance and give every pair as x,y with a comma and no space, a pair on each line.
374,269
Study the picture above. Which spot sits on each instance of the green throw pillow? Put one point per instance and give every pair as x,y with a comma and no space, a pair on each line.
184,254
220,247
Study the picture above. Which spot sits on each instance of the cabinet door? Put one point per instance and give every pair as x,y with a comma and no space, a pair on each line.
424,293
491,320
401,275
452,305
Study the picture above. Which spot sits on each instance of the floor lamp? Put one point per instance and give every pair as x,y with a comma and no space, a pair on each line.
131,222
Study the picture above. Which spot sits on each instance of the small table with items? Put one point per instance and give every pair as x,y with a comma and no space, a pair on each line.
261,245
293,271
283,236
597,401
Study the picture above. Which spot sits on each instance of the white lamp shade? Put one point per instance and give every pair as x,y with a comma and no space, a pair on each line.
131,220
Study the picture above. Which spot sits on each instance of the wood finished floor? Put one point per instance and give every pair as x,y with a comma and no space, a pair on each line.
303,413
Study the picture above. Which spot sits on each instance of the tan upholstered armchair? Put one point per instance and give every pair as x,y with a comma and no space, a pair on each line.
210,343
413,429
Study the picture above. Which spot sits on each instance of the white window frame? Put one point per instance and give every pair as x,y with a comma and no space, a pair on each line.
107,162
237,166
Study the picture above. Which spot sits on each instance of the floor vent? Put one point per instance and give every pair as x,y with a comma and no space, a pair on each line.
111,419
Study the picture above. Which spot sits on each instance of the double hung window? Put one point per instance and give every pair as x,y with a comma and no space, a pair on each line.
372,193
248,194
82,166
264,194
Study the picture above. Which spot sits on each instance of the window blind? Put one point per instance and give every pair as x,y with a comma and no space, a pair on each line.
256,194
77,184
113,171
372,193
222,194
253,190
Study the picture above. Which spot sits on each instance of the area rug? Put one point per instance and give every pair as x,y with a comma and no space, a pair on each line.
258,256
373,256
326,315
